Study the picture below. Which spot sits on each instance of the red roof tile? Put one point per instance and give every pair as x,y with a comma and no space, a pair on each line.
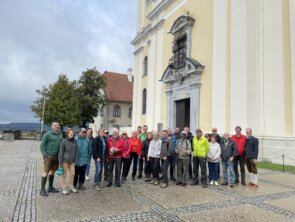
118,88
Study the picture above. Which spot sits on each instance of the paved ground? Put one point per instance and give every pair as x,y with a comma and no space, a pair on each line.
21,167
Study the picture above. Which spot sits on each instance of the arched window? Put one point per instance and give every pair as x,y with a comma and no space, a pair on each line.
117,111
144,101
145,66
130,112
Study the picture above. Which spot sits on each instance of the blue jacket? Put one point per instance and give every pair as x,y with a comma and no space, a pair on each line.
84,151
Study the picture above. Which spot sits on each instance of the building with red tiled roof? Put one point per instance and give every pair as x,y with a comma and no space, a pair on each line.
118,92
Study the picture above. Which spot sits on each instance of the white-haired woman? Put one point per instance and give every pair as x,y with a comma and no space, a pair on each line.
154,157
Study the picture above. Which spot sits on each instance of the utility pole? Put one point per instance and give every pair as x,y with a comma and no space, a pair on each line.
42,121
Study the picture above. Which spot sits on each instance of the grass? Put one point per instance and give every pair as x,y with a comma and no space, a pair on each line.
276,167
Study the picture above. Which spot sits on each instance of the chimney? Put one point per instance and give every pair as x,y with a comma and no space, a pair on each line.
130,75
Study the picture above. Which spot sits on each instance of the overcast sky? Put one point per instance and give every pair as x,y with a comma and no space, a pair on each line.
39,39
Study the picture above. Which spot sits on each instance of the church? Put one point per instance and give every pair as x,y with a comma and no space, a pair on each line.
217,63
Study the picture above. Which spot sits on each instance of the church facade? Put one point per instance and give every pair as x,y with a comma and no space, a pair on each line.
217,63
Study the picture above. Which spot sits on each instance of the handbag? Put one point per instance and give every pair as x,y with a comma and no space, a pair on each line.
59,171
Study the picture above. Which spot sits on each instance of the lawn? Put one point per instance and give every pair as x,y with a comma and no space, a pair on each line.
276,167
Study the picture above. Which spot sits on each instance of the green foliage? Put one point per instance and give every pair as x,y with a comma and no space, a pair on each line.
276,167
71,102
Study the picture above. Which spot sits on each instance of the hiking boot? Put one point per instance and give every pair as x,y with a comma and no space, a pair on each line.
231,185
178,183
224,183
81,187
194,183
139,176
133,178
109,184
118,185
204,185
183,184
52,190
43,193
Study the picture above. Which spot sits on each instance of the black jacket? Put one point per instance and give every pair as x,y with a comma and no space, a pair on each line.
228,151
97,148
145,148
251,150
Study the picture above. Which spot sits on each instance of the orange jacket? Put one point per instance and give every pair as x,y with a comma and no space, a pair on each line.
135,145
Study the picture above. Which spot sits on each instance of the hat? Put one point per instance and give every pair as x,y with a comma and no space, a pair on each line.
183,132
124,133
198,131
83,129
106,131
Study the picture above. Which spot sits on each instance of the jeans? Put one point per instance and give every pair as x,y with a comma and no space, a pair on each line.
80,174
182,170
165,166
88,168
134,158
115,163
155,164
97,176
225,166
147,168
172,162
200,162
239,161
213,171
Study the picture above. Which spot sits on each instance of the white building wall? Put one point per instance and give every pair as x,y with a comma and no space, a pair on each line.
219,65
292,38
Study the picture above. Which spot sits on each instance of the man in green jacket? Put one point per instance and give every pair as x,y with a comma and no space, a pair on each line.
200,149
50,148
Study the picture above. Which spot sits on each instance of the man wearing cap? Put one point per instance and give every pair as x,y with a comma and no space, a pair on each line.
50,148
84,153
183,151
200,150
116,147
240,140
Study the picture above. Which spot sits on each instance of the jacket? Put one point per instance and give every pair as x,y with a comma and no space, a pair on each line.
155,148
116,142
142,136
97,148
200,147
50,144
135,145
126,153
251,150
145,148
241,142
84,151
183,148
229,150
166,148
214,152
67,151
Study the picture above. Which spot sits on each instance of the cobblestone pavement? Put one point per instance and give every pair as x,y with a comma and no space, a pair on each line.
21,169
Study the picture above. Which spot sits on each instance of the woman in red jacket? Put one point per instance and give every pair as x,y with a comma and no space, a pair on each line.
135,147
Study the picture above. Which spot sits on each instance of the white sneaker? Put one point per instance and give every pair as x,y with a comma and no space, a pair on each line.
65,192
98,188
211,182
87,178
74,190
216,183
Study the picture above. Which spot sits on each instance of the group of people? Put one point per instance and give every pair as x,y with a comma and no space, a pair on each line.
159,156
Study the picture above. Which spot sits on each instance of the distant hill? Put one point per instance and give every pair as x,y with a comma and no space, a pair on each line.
22,127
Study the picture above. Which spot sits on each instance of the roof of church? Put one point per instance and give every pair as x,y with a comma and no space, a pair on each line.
118,88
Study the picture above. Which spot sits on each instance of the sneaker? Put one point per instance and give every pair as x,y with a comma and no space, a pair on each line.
118,185
97,188
139,176
43,193
109,184
178,183
224,184
133,178
52,190
87,178
216,183
74,190
211,182
156,182
81,187
231,185
164,185
183,184
152,181
204,185
194,183
65,192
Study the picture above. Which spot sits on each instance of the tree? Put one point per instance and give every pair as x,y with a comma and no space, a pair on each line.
91,98
61,104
